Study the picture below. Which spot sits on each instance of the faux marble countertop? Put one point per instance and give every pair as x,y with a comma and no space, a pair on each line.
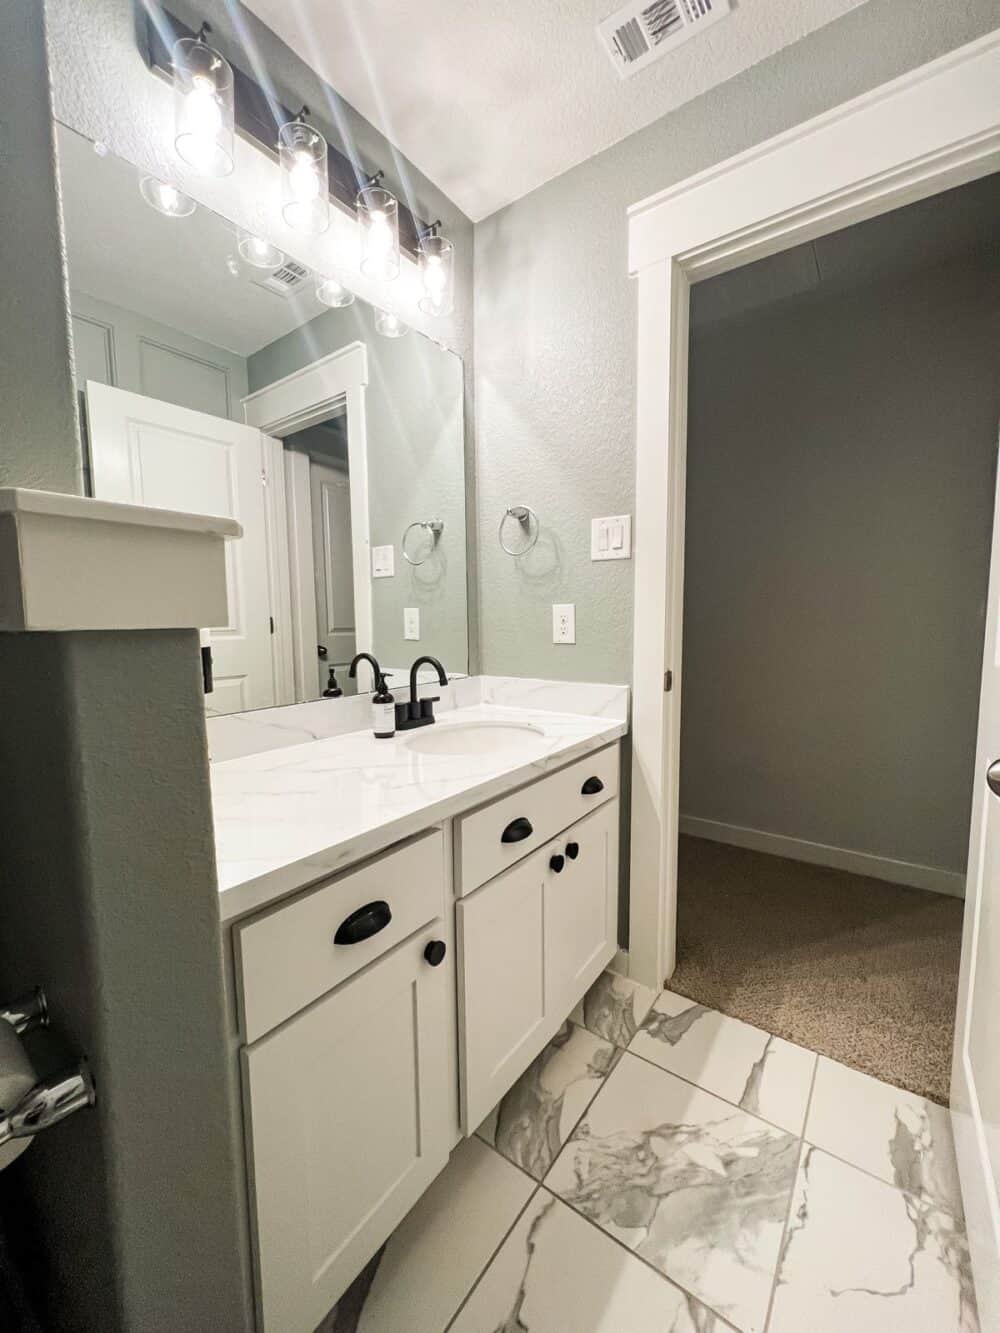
290,816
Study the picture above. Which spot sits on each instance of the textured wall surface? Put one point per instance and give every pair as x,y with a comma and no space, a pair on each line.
555,330
39,438
839,513
416,471
109,899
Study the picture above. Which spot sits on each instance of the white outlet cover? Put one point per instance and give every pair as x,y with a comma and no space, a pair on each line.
411,622
383,562
563,622
611,538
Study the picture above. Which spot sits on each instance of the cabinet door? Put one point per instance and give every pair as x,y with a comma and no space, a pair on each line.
581,907
501,987
348,1108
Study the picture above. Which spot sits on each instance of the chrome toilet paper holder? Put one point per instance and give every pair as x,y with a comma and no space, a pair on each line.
52,1099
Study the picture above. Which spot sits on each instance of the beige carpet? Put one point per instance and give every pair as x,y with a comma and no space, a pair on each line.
860,970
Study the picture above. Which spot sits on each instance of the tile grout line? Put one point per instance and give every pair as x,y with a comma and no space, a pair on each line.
803,1147
503,1241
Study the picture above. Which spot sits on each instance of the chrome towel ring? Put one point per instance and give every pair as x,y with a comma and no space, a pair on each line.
528,521
434,526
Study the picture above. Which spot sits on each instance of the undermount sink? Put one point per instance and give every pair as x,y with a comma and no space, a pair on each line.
472,737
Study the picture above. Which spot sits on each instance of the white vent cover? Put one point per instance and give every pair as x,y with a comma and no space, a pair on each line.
284,281
638,33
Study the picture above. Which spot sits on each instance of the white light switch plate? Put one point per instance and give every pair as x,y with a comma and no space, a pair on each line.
383,562
411,622
563,622
611,538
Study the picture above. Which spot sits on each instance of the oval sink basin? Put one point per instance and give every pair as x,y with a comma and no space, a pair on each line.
473,737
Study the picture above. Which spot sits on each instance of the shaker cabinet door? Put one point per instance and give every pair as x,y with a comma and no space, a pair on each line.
348,1119
581,907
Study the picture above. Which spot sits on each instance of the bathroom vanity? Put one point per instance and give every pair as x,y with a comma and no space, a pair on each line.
407,924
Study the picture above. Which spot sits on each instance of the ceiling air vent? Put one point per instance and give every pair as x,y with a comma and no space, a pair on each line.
639,33
284,281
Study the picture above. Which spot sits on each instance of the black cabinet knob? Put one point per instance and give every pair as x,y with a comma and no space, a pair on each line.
517,830
591,787
556,863
572,850
435,952
364,923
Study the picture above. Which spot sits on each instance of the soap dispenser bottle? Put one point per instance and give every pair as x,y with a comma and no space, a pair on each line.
383,711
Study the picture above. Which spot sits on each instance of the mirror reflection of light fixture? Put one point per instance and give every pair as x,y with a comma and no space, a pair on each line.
166,198
378,224
203,106
388,323
305,186
258,252
333,293
437,272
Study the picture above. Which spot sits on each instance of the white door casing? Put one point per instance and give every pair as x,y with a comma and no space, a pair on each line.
935,128
304,398
148,452
333,563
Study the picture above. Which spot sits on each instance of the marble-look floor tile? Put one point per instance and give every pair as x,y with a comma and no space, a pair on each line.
438,1250
697,1187
762,1074
614,1007
896,1135
865,1257
535,1118
558,1274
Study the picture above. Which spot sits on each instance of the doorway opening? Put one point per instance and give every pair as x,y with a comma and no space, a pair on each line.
843,405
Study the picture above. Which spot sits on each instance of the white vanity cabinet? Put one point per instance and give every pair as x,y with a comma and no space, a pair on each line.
349,1104
533,939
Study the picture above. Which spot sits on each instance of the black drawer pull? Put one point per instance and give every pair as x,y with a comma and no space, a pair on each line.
517,830
572,850
363,924
591,787
556,863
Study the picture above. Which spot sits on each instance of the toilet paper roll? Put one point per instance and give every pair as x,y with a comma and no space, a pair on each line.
17,1076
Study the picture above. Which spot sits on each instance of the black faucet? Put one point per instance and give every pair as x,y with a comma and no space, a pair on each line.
378,680
419,712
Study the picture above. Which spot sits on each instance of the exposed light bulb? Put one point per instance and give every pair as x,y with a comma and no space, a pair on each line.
166,198
437,271
258,252
302,179
203,107
388,323
202,122
333,293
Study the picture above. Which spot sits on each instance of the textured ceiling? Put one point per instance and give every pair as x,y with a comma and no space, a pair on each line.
492,98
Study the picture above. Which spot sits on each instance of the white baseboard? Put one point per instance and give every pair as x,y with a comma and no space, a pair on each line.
838,858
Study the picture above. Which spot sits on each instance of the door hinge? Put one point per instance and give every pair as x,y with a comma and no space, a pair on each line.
271,619
668,681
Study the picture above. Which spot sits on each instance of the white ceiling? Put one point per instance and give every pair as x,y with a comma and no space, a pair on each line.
492,98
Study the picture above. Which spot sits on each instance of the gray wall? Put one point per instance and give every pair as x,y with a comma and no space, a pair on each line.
39,442
416,471
555,329
841,455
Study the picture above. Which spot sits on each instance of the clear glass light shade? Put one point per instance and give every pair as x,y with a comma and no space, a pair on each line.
333,293
203,108
258,252
305,186
166,198
388,323
437,275
378,223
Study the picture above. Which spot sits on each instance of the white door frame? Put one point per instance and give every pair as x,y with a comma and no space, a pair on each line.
305,398
937,127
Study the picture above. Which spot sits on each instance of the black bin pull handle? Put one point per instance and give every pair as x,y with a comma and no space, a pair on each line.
591,787
364,923
517,830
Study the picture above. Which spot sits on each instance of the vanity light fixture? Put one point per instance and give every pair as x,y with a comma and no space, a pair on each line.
378,225
203,105
437,272
388,323
258,252
305,187
333,293
166,198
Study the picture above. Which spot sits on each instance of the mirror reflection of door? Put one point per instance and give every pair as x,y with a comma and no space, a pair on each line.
333,563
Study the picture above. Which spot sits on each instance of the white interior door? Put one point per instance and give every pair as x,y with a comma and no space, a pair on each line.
333,565
975,1090
144,451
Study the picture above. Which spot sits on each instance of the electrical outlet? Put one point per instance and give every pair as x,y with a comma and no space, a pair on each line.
563,622
411,622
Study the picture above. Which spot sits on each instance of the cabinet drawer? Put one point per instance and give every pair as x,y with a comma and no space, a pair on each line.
289,958
530,817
